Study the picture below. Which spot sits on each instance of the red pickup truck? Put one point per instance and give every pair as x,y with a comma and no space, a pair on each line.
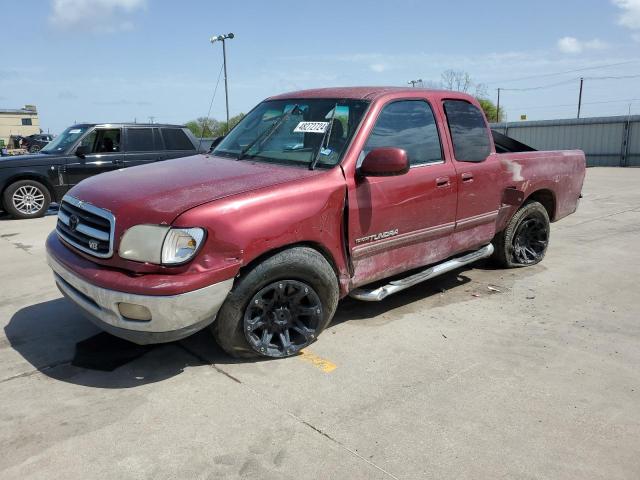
313,196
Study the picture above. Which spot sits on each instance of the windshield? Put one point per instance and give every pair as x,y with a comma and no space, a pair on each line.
65,140
299,131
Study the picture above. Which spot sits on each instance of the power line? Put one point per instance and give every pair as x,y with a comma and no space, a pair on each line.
621,77
541,87
562,73
629,100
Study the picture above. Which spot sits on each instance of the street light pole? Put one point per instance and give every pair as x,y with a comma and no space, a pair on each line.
222,38
498,107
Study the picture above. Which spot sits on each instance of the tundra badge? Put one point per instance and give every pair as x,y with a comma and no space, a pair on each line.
377,236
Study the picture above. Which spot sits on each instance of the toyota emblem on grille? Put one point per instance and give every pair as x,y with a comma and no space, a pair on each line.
93,244
73,223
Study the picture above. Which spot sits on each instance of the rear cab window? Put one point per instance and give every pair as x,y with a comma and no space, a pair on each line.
469,132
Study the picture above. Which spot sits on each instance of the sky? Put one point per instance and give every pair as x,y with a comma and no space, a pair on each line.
126,60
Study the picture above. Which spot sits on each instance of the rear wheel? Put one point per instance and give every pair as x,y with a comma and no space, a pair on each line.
525,240
279,307
34,148
26,199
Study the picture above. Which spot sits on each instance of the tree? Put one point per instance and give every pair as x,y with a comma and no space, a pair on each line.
203,127
210,127
461,81
490,110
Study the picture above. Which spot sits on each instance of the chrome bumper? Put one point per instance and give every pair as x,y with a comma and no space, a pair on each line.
172,317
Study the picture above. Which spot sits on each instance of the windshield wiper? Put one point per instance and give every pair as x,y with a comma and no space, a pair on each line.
264,136
313,163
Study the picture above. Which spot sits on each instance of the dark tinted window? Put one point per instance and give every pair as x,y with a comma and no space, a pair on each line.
468,131
140,140
176,139
410,125
26,121
102,141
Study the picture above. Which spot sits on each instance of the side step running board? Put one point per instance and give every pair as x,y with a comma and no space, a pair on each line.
396,286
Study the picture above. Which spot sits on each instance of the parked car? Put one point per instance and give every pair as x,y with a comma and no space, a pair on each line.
36,142
29,183
313,196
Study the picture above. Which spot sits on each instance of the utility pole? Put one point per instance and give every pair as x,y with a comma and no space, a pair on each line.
580,97
222,38
413,83
498,107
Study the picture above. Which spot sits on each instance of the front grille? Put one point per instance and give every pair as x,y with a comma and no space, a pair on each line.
86,227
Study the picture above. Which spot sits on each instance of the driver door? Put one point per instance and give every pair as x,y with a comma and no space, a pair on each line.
105,154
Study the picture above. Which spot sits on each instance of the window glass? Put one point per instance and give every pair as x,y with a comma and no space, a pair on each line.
299,132
102,141
140,140
468,131
65,140
26,121
410,125
176,139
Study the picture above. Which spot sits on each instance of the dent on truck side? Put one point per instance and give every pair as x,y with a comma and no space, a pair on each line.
245,228
554,178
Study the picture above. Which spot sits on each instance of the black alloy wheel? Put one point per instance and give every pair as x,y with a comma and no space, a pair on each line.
530,240
282,318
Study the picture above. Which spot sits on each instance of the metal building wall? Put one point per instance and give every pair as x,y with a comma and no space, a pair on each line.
606,141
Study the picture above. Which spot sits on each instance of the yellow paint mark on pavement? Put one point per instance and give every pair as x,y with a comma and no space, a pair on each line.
321,363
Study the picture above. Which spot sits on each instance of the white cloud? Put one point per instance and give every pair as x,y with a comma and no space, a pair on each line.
103,16
573,45
630,16
378,67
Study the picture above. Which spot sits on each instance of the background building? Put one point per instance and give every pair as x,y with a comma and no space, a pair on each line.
21,121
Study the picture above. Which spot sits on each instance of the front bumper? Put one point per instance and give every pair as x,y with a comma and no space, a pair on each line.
173,317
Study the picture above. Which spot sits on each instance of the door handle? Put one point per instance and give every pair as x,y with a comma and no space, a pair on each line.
467,177
442,182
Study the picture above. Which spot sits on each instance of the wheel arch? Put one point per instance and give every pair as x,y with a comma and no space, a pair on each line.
546,198
27,176
309,244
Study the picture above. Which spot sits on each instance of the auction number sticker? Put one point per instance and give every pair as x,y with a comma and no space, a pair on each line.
311,127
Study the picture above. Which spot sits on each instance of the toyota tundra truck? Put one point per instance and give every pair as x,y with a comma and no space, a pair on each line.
313,196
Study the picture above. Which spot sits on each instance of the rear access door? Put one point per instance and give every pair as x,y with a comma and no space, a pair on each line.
478,173
406,221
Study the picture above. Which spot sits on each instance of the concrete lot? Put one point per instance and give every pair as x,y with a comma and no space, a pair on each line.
537,377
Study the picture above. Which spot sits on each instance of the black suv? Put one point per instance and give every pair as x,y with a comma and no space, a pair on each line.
29,183
36,142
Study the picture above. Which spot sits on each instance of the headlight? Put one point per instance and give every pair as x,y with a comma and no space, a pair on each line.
160,244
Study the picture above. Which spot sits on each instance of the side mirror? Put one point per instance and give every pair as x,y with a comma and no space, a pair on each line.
385,162
82,151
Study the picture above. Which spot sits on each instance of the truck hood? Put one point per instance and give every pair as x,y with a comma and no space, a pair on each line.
159,192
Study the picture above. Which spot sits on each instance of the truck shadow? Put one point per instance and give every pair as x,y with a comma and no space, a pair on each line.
57,341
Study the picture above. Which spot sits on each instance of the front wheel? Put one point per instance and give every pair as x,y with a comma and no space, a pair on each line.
279,307
26,199
525,240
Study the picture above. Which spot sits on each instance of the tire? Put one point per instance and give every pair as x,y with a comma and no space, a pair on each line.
26,199
34,148
525,240
292,295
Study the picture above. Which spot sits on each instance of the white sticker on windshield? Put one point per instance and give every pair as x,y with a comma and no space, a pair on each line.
75,130
311,127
